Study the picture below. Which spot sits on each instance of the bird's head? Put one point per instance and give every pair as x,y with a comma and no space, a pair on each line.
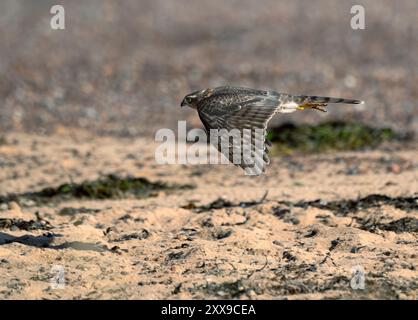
193,98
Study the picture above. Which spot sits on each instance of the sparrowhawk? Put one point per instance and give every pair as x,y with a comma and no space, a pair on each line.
246,112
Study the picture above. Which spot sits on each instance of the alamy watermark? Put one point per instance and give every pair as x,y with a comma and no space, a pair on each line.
358,280
57,21
358,20
218,146
58,279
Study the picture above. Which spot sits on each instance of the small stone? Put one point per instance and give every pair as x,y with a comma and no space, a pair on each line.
221,233
395,168
221,293
251,293
28,203
116,249
323,202
174,269
352,171
78,222
13,206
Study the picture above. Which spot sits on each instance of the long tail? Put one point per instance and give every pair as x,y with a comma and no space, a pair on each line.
302,100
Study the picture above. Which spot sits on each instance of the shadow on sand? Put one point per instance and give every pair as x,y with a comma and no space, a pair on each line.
46,241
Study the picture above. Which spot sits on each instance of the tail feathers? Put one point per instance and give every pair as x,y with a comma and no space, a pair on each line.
302,100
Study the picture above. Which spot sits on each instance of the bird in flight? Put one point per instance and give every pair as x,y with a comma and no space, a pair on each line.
243,114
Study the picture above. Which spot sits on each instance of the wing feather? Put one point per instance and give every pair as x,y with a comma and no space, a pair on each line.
250,114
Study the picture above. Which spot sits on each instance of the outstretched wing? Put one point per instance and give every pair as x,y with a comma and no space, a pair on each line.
245,121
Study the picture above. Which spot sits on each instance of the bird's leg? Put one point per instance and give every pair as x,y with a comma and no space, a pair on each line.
316,106
320,107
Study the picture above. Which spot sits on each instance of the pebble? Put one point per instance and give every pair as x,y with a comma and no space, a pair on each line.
251,293
13,206
395,168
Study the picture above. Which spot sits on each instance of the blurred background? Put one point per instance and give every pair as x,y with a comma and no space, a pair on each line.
122,67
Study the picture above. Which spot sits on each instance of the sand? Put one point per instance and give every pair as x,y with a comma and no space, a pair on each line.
182,245
84,102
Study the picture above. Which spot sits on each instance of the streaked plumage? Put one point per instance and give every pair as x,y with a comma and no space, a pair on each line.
243,108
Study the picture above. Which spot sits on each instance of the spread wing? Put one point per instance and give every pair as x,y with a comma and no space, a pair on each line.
244,121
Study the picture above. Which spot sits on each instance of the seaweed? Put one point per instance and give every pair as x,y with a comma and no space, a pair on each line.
223,203
140,235
406,224
329,136
108,187
21,224
227,289
68,211
344,207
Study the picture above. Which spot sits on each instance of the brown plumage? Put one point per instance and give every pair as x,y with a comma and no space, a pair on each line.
244,114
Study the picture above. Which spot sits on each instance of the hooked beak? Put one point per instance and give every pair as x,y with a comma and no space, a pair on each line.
183,103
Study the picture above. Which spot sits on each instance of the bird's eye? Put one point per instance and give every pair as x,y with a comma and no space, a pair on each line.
188,100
